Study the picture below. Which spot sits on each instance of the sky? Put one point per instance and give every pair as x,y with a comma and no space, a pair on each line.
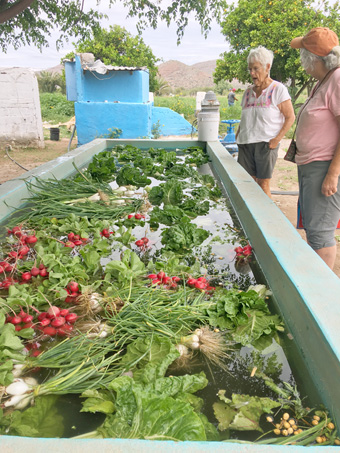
194,48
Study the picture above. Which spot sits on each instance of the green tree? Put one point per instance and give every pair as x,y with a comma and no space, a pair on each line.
272,24
30,21
118,47
51,82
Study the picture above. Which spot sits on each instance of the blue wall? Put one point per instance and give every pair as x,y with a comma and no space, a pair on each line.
171,123
94,119
118,99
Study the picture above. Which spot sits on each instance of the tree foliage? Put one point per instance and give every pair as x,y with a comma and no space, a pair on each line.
31,21
118,47
272,24
51,82
34,24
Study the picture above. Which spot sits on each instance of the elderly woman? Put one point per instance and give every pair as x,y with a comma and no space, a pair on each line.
318,141
267,114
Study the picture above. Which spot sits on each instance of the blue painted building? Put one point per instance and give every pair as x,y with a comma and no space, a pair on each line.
110,97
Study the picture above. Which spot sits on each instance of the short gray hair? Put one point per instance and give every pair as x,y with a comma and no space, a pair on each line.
332,60
262,55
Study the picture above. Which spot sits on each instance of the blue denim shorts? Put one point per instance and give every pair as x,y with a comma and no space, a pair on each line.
320,214
258,159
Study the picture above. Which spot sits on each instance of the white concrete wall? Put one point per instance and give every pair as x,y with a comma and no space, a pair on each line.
20,115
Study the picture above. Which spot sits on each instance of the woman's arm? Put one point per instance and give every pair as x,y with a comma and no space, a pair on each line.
330,183
286,108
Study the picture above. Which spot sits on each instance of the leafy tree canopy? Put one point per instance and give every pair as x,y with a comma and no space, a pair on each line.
31,21
118,47
272,24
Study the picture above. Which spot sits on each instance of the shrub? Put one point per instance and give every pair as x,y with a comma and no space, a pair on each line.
55,107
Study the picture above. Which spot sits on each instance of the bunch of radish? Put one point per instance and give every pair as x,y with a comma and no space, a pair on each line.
136,216
106,233
162,279
143,243
200,283
23,238
34,272
73,292
7,282
22,320
56,322
74,240
243,253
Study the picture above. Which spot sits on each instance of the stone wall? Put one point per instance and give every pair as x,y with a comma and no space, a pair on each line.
20,114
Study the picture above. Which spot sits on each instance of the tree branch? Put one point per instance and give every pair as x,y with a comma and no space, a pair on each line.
14,10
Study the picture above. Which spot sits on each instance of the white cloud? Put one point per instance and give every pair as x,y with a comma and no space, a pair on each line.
194,48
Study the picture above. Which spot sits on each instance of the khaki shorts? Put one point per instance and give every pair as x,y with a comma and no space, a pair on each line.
258,159
320,214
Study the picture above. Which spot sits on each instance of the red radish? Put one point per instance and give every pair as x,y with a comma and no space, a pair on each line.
53,312
26,276
2,270
23,250
202,279
84,239
238,250
69,300
22,239
9,318
176,279
58,322
36,353
145,240
42,316
139,243
152,276
43,272
166,280
16,320
35,271
50,331
65,330
13,254
73,287
18,233
27,318
173,285
69,244
156,281
41,266
200,285
191,281
64,312
161,275
131,216
18,328
71,318
79,242
138,216
31,239
70,236
247,252
45,322
76,237
28,325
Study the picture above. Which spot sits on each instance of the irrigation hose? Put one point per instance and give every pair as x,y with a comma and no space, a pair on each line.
15,161
72,135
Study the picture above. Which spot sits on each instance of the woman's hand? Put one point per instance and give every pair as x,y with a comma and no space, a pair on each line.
274,142
330,185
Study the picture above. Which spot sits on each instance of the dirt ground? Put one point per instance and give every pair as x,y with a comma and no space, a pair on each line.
284,177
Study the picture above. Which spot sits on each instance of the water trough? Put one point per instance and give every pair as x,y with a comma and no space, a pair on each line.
307,293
